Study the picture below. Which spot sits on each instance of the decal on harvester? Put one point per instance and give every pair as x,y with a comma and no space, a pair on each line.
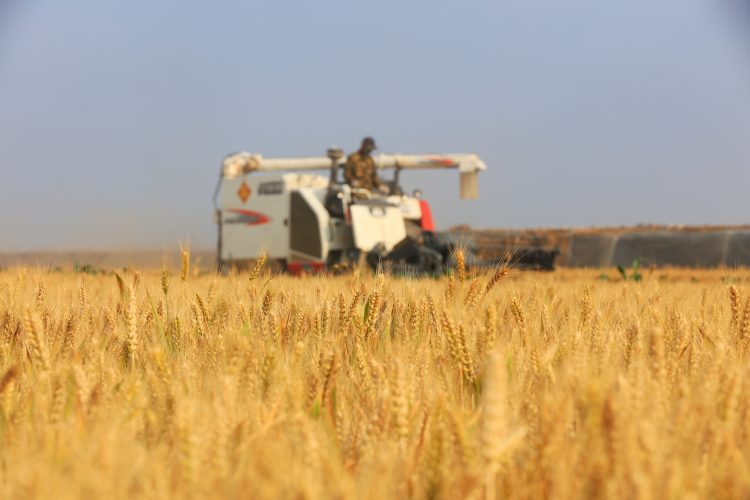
244,192
247,217
443,161
271,187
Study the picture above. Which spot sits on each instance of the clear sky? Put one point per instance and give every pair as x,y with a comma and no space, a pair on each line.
114,116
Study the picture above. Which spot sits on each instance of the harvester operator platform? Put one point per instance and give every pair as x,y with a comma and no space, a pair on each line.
361,172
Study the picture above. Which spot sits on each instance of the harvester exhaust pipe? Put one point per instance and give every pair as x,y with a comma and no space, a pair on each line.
335,154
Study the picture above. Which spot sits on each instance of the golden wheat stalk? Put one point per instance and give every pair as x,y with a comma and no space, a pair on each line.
500,273
734,305
473,293
497,440
10,374
260,262
131,340
36,342
457,344
400,406
460,266
185,259
329,367
164,281
82,298
41,295
517,310
451,291
268,303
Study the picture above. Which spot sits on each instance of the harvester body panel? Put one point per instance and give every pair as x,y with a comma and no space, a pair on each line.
377,224
256,213
308,231
411,208
252,220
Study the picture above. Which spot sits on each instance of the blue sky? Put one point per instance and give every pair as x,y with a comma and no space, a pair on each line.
114,116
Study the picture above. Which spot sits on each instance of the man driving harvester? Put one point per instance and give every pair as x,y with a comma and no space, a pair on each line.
361,172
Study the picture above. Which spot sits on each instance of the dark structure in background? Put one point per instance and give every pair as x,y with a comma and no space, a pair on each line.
659,246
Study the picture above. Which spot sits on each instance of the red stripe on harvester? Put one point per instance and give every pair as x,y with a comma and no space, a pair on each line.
443,161
256,218
427,223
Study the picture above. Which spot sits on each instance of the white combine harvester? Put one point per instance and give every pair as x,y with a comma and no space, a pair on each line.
307,221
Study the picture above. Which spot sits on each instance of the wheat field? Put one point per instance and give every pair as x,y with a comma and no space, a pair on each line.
502,384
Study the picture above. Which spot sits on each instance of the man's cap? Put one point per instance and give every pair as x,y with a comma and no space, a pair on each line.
369,141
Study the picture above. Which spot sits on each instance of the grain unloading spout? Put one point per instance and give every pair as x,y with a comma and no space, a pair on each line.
468,165
469,186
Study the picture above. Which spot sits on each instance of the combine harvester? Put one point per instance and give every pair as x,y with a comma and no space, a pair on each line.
310,222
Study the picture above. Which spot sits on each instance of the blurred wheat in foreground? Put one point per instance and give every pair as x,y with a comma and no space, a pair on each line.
558,385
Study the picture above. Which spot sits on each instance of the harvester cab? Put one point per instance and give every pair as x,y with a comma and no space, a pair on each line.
308,221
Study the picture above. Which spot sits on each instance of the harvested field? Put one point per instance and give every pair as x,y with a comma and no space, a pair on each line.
573,384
